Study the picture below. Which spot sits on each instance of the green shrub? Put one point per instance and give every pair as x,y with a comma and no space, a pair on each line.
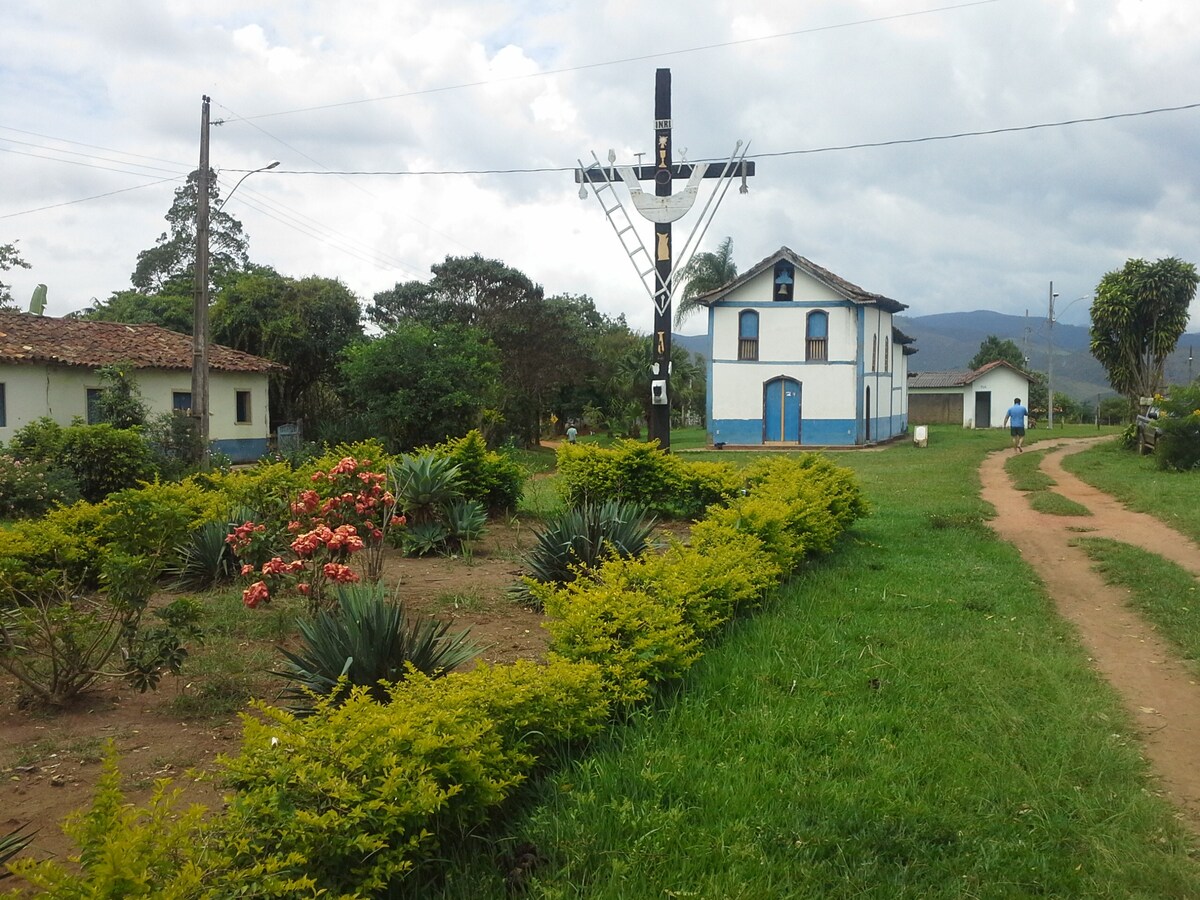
362,790
367,642
771,521
62,544
28,488
487,476
636,638
577,540
59,638
40,441
636,471
154,519
1178,447
103,459
718,572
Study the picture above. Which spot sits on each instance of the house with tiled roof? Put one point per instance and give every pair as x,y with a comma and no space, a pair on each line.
48,368
973,398
798,356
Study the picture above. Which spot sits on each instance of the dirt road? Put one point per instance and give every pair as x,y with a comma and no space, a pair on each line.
1160,691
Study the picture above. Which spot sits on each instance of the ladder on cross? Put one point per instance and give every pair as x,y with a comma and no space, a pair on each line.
618,218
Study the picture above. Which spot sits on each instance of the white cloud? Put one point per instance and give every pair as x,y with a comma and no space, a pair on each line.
982,222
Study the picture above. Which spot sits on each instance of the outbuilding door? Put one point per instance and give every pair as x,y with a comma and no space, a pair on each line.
983,409
781,410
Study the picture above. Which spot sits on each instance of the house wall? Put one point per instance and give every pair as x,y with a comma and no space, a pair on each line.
1004,385
33,391
832,392
956,405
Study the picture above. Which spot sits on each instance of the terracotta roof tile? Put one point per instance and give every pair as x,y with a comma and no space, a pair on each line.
26,338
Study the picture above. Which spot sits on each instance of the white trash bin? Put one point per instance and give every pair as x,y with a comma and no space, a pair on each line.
921,436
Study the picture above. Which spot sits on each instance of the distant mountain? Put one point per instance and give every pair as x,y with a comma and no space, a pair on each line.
948,341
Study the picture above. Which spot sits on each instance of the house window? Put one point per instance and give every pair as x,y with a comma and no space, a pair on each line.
243,407
817,343
3,408
875,353
785,281
748,335
93,406
181,401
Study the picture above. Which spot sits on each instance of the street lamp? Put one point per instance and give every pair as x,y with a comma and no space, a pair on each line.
200,336
1050,361
1050,358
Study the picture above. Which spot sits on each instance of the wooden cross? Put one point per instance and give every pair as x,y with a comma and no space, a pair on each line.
663,209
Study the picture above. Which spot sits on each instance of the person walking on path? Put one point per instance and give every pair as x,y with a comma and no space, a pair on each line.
1016,415
572,433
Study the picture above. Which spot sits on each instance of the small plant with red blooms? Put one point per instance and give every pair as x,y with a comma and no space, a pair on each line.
347,513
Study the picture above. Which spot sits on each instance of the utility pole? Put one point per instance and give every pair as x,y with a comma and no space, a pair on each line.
1050,360
200,306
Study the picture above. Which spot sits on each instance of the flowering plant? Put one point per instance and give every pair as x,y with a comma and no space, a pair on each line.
347,512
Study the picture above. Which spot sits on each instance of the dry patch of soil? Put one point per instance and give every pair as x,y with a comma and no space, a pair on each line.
1160,692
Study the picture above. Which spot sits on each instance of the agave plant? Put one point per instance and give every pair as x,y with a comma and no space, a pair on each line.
581,537
465,520
425,483
370,641
206,559
10,845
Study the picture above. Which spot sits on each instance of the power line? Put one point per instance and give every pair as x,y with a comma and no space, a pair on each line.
136,187
779,153
62,140
616,62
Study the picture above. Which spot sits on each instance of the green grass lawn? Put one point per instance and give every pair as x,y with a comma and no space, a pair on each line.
908,718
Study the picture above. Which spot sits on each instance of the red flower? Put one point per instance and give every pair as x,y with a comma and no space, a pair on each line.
255,594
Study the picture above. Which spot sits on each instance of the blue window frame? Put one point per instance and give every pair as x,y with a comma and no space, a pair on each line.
816,347
748,334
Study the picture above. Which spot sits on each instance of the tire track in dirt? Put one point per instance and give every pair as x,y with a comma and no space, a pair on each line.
1161,692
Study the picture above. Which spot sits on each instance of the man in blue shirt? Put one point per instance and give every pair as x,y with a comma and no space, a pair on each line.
1017,415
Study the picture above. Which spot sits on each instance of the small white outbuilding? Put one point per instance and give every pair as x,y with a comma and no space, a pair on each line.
974,398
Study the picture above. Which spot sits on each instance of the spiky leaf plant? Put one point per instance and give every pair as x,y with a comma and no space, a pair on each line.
10,845
425,483
466,520
206,559
579,538
371,641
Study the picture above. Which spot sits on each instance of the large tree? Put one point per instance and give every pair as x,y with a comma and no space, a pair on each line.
305,324
9,259
170,310
169,265
540,342
418,385
705,272
993,348
1137,317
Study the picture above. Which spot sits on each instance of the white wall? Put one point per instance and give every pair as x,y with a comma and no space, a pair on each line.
33,391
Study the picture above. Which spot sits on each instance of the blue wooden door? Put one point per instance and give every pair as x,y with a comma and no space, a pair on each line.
781,410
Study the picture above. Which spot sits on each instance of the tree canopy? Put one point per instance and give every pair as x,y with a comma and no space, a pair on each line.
305,324
9,259
168,266
705,272
1139,313
993,348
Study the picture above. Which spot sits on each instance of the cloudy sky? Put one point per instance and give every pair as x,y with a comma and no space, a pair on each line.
431,106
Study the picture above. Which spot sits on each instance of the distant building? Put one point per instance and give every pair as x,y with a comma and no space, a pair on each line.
48,368
800,356
973,398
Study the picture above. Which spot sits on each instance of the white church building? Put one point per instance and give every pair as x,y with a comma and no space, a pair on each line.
801,357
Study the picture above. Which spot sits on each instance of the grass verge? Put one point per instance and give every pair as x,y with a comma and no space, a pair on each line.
1173,497
908,719
1166,594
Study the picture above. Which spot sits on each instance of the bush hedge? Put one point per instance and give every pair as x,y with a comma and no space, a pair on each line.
351,799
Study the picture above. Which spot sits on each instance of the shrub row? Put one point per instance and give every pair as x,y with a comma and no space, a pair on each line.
350,799
639,473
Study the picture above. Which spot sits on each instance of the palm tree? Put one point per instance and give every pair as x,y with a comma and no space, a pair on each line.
705,272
